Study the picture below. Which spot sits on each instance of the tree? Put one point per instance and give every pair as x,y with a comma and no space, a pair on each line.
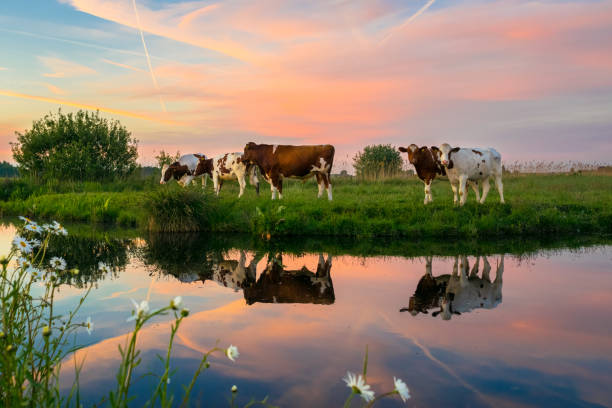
378,161
166,158
8,170
80,146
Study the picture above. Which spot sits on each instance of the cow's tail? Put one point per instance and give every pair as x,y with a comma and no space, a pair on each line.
497,160
331,160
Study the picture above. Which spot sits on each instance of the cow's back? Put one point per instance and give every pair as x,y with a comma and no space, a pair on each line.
299,161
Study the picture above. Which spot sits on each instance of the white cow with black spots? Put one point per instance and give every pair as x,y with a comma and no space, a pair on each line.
471,165
184,170
229,166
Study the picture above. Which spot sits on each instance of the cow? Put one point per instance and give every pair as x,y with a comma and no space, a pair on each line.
426,165
183,170
459,292
465,165
276,162
228,166
278,285
465,293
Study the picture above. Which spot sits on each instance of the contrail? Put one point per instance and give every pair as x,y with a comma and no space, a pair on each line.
146,51
86,106
408,21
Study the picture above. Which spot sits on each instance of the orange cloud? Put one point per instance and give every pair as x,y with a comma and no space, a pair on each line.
117,64
86,106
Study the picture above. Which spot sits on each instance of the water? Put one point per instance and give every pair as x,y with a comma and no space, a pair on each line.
538,332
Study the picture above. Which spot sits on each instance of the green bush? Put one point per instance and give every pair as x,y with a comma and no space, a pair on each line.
177,210
378,162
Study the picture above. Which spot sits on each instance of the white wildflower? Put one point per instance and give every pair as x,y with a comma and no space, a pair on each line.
25,219
23,262
140,309
89,325
57,228
234,388
58,263
358,385
232,352
104,268
33,227
401,388
35,243
22,244
176,303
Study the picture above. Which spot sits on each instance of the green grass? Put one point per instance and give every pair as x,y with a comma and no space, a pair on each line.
536,205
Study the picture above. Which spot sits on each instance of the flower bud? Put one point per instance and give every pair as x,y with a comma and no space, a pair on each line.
185,312
234,388
46,331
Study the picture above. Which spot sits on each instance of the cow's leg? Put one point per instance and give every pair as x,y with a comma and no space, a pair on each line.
486,185
241,183
319,177
216,183
454,187
464,267
253,178
456,266
273,190
428,265
204,177
462,190
427,199
486,269
327,180
280,188
500,187
475,187
474,272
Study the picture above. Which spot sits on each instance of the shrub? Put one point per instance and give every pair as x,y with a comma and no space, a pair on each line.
81,146
377,162
177,210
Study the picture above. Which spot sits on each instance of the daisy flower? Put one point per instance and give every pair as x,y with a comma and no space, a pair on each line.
22,244
401,388
58,263
232,352
175,303
33,227
25,219
34,243
140,309
358,385
104,268
89,325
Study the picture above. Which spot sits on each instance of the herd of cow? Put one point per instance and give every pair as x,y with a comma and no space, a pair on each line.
463,167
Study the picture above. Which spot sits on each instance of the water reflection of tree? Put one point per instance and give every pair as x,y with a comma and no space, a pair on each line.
84,253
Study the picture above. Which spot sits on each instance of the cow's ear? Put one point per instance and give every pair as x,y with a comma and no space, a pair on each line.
434,149
402,149
455,149
423,148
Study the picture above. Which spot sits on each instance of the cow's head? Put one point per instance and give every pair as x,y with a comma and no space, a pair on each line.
175,170
445,152
411,150
250,152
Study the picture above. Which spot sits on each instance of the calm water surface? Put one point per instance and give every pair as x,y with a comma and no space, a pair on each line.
465,330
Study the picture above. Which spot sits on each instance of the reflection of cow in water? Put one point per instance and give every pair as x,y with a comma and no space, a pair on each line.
275,284
458,293
278,285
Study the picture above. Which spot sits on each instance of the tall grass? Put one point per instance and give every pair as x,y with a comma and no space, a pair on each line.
536,205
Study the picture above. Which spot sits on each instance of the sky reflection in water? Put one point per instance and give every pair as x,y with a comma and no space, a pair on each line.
539,336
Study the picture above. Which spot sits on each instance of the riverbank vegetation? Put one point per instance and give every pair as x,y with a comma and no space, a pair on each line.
537,205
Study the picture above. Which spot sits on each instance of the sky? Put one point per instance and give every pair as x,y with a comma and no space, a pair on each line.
531,78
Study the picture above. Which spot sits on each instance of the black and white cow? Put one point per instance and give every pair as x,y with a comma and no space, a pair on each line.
183,170
229,166
465,165
459,292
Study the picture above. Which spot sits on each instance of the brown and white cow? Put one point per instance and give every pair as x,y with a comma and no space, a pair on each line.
228,166
183,170
471,165
276,162
279,285
426,164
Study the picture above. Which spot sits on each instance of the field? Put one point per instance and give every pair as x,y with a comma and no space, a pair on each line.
536,205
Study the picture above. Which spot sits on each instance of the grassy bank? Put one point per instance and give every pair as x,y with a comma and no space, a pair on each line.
536,205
